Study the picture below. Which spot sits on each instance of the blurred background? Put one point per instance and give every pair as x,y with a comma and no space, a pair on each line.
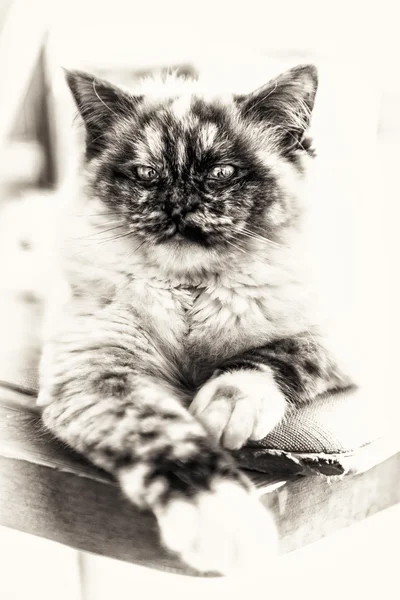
354,191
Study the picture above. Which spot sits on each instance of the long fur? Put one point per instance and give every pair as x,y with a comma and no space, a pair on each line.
185,322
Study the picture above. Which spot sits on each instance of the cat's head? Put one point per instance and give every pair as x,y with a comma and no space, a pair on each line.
194,172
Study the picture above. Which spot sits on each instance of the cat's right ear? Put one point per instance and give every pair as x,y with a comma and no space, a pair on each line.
100,105
284,105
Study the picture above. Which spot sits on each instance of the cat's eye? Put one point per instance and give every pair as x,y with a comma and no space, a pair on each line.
221,172
146,173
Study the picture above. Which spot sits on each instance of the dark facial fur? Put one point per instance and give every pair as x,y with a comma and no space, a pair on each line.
181,141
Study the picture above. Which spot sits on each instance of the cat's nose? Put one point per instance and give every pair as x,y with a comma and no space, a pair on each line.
176,212
173,210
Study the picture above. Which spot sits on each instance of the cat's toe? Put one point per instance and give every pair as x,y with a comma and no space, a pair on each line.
225,530
239,406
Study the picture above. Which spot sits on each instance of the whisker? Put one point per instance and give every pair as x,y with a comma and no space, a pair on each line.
132,253
116,237
255,236
242,250
96,243
259,236
96,233
100,214
252,255
261,239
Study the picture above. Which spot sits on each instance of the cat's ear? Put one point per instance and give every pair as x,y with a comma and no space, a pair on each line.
100,104
285,105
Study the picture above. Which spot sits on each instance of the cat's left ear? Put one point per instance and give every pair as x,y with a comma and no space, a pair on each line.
284,104
100,104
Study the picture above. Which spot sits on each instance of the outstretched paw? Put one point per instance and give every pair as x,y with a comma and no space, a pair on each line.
225,530
238,406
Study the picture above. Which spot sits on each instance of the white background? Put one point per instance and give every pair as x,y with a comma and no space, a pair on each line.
356,45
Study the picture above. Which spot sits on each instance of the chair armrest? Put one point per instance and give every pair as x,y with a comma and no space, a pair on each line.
49,491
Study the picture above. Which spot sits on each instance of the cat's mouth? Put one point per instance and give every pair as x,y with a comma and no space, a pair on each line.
186,233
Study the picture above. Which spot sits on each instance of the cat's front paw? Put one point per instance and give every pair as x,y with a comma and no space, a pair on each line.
238,406
225,530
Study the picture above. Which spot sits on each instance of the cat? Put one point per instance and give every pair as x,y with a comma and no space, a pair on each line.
183,330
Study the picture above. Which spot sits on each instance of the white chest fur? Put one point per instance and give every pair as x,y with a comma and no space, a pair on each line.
198,307
224,316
